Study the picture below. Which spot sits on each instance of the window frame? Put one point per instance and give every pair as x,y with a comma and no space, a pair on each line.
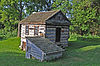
27,29
36,28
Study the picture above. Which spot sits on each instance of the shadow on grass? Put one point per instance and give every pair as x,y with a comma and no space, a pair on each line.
83,46
70,55
83,42
89,39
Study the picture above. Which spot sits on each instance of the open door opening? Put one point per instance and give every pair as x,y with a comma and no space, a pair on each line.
58,34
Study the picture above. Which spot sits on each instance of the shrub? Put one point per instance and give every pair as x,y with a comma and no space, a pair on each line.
4,34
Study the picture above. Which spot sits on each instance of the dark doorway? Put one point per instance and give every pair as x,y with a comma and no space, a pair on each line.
58,34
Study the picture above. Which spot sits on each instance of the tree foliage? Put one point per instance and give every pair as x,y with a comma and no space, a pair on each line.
85,15
12,11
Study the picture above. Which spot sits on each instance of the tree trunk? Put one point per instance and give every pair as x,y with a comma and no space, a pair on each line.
21,8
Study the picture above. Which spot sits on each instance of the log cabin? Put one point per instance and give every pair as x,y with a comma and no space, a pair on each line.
52,25
41,48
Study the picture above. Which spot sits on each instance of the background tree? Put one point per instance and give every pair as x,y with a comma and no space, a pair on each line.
84,15
63,5
12,11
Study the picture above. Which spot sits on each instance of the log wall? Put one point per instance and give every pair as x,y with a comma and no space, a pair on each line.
48,32
51,34
53,56
31,32
64,36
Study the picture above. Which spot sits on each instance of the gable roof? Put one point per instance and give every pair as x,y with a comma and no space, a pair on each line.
45,45
39,17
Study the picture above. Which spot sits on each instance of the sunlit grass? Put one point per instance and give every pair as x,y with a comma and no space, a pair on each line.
83,52
87,48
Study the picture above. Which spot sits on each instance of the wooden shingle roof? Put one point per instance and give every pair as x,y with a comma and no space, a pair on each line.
45,45
39,16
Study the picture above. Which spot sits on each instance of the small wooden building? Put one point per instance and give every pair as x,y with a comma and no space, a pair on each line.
52,25
42,49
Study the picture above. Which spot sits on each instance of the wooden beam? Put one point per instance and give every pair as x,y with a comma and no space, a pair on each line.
19,30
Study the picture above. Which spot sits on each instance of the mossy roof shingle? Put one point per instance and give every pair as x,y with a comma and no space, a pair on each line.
39,16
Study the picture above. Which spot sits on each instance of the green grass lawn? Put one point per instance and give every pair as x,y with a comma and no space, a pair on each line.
79,53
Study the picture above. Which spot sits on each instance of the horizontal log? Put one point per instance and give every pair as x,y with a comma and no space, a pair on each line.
22,29
51,39
54,26
22,25
22,36
50,29
65,30
50,36
22,32
64,33
42,26
65,45
50,33
64,37
31,32
62,41
65,27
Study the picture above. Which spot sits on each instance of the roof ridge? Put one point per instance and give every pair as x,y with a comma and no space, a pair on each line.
40,16
53,14
46,11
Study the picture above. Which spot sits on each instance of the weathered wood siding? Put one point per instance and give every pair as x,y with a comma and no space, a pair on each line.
64,36
31,32
53,56
58,21
23,30
51,34
58,17
33,50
